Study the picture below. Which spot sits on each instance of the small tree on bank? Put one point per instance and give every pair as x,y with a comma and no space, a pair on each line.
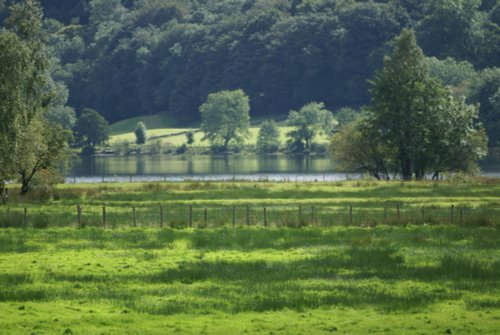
91,129
311,120
140,133
268,140
225,119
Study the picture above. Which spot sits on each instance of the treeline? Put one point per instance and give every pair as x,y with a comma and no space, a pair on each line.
126,58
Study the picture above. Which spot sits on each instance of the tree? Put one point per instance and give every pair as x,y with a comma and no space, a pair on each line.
357,147
268,140
91,129
311,120
413,111
140,133
43,148
24,96
190,137
486,91
225,118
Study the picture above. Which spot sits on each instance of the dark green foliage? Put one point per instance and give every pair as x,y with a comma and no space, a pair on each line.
91,129
225,119
144,57
140,133
312,119
414,124
268,140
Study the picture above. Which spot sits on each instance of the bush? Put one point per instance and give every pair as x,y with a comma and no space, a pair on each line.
140,133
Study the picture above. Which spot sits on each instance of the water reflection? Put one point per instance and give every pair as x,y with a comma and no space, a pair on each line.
197,165
223,167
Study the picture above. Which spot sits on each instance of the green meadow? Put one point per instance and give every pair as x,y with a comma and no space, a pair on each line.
353,257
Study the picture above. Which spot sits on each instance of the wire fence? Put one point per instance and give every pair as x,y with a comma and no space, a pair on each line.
274,215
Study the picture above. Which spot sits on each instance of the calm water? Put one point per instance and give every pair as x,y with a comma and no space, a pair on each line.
126,168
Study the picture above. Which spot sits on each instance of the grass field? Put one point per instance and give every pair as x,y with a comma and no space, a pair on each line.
416,274
165,137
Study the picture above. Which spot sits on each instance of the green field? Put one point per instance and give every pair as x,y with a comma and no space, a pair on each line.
314,268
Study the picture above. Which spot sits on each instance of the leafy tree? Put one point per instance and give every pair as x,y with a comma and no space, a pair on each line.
452,28
140,133
24,97
268,140
357,147
312,119
410,109
225,118
485,91
43,148
346,115
190,137
91,129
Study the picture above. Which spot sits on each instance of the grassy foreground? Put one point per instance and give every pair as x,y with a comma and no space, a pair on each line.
404,277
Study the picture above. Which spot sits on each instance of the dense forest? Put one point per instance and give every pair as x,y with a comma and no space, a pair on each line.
126,58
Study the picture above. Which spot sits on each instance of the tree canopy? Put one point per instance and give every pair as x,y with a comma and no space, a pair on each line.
225,118
414,123
144,57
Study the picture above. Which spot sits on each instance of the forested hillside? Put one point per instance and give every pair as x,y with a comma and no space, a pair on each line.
125,58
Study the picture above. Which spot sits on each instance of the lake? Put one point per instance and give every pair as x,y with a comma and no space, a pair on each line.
177,168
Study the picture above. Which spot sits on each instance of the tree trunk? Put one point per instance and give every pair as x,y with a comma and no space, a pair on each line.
406,169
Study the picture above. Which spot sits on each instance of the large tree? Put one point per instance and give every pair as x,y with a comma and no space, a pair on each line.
24,94
225,118
417,121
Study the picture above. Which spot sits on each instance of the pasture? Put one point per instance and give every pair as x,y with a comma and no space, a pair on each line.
322,270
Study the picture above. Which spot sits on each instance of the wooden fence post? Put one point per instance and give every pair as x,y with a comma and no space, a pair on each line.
25,218
104,216
350,214
312,215
452,210
205,216
234,216
265,217
248,215
190,216
134,216
161,217
79,216
300,216
461,215
398,213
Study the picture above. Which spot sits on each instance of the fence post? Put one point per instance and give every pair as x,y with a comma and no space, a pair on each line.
350,214
248,215
312,215
25,217
300,216
452,210
190,216
79,216
161,217
205,216
234,216
265,217
104,216
461,215
134,216
398,213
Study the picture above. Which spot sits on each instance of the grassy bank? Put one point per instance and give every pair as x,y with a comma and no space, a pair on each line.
215,204
381,273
